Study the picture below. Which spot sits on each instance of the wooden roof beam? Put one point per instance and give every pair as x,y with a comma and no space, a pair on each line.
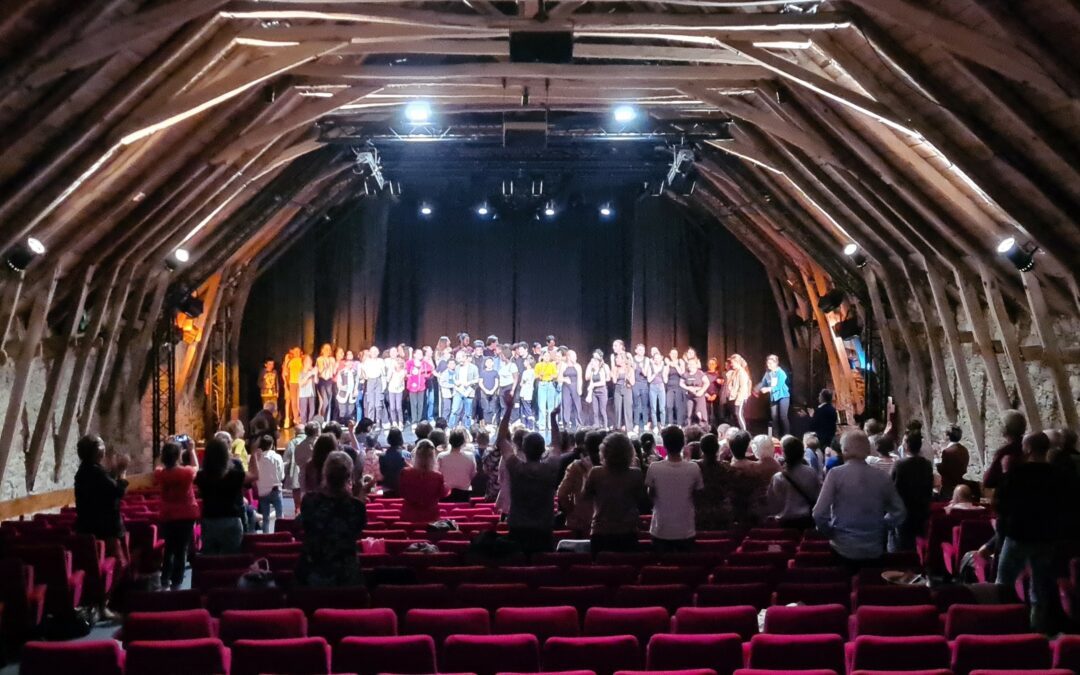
553,71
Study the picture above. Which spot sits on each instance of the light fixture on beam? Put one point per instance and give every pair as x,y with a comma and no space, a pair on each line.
1022,258
624,113
549,209
425,209
35,246
606,211
852,251
482,210
21,255
418,112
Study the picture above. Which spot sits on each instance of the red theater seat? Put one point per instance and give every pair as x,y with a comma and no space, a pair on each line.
740,619
441,623
807,620
1026,671
641,622
543,622
296,656
1010,652
813,594
925,652
1067,652
764,671
669,596
488,654
579,597
532,575
602,655
402,598
96,657
608,575
721,652
986,620
743,574
896,621
177,657
723,595
797,652
493,596
335,624
891,595
156,601
221,600
452,576
183,625
407,654
262,624
53,568
693,671
309,600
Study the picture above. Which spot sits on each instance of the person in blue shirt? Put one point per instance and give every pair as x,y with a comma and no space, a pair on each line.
775,384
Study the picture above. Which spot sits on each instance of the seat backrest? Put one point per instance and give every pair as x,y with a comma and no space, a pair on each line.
454,575
806,619
797,652
608,575
672,574
669,596
579,597
336,624
543,622
310,600
440,623
1002,652
744,574
309,655
491,654
262,624
814,594
721,652
721,595
641,622
965,619
402,597
602,655
493,596
872,652
407,654
892,594
154,601
220,600
1067,652
176,657
181,625
96,657
896,621
740,619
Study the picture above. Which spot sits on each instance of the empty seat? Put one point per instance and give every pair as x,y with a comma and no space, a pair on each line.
183,625
743,574
533,575
895,621
452,576
1011,652
924,652
155,601
634,558
1025,671
936,671
309,600
668,596
797,652
440,623
579,597
721,652
402,598
22,603
813,594
641,622
892,595
238,561
335,624
602,655
740,619
562,559
1067,652
221,600
806,620
488,654
815,575
407,654
692,671
774,533
721,595
986,620
543,622
176,657
759,558
493,596
53,568
765,671
608,575
262,624
95,657
295,656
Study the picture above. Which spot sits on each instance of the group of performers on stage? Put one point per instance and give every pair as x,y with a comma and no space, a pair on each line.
466,383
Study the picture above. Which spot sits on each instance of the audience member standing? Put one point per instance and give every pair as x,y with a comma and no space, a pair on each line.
1015,424
533,481
913,476
393,460
421,486
221,483
712,506
749,482
672,484
573,501
825,418
793,490
333,520
858,505
457,467
271,477
616,490
954,461
179,511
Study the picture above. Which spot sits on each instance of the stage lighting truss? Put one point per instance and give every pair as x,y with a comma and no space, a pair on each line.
367,164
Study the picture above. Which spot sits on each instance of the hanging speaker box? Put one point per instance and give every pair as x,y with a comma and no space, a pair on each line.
541,46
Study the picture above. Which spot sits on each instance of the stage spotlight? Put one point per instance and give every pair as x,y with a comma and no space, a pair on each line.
831,301
425,210
852,251
418,112
848,328
549,209
35,246
1024,260
181,255
482,210
624,113
606,211
20,256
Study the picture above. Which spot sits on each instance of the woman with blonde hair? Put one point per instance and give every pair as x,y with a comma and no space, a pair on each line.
421,486
237,445
739,387
326,365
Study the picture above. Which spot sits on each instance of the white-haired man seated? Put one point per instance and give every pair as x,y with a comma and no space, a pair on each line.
858,505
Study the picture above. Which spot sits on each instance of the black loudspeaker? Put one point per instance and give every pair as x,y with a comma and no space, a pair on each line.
541,46
831,301
848,328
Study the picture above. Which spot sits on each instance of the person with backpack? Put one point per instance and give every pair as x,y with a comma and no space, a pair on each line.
794,489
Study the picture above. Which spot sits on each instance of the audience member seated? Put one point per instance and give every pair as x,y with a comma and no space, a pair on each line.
421,486
616,491
963,499
794,489
858,505
332,520
221,482
458,468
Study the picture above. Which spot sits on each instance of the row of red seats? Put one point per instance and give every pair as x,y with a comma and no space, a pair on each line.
720,654
566,621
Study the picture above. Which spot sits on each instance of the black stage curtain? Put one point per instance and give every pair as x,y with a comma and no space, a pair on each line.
380,273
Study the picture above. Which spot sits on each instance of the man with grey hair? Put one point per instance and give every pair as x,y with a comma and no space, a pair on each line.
858,505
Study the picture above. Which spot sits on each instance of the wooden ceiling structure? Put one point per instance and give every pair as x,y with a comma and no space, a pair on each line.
922,131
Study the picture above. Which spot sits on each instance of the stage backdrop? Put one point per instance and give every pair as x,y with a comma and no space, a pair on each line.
379,273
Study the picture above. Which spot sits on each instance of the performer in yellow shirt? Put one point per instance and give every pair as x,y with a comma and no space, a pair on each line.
546,373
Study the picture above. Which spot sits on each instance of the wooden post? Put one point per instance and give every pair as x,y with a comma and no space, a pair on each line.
1052,359
981,329
35,328
193,358
12,293
785,326
963,376
934,344
104,357
79,370
1011,343
828,342
897,372
896,301
48,399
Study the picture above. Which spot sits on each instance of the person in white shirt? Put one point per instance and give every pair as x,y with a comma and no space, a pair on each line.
461,408
793,491
457,467
268,486
671,484
373,368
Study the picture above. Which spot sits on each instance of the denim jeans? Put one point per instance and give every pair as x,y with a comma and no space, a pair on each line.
360,402
265,502
461,410
657,405
641,404
546,396
429,404
1017,555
